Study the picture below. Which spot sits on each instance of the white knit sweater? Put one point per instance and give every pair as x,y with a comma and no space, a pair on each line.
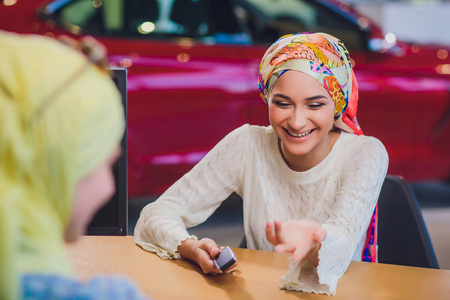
340,193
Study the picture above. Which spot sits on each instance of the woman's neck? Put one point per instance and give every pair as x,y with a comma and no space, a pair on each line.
302,163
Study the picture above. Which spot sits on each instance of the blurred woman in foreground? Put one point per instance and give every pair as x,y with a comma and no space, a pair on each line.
61,122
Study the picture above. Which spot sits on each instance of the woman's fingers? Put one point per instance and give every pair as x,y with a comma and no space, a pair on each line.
279,232
274,233
207,250
283,248
300,253
269,234
296,237
319,235
206,262
274,237
210,247
209,268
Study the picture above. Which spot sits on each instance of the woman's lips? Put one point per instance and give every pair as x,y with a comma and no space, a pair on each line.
299,135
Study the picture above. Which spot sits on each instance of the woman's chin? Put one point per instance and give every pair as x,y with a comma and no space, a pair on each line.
71,235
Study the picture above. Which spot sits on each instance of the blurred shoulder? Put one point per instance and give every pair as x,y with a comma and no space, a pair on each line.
363,146
252,131
262,131
361,141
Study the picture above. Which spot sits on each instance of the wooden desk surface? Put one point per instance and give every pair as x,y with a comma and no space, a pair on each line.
256,276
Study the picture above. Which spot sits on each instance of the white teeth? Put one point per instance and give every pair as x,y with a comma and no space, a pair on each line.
300,134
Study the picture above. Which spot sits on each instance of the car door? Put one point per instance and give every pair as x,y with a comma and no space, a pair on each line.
186,86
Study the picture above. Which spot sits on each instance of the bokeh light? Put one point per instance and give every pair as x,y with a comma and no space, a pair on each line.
146,28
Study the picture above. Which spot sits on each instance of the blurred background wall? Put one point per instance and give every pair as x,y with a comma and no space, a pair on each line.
424,21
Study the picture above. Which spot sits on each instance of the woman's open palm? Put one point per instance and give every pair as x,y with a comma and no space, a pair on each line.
296,237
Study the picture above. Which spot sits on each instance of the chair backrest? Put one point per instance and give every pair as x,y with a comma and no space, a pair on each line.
402,235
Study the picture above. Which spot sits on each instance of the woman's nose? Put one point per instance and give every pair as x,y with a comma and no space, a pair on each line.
298,119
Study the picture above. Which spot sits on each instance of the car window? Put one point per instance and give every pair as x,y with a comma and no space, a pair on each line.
267,20
206,20
209,21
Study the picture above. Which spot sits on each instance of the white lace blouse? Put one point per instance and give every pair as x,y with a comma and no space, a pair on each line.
340,193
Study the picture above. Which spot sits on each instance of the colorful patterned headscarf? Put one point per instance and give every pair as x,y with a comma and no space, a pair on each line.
323,57
43,155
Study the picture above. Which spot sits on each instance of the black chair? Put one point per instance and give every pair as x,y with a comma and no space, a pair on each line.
402,235
243,243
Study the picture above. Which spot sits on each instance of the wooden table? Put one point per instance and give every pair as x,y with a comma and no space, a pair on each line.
256,276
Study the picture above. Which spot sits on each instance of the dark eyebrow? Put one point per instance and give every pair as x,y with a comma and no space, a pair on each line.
312,98
317,97
282,96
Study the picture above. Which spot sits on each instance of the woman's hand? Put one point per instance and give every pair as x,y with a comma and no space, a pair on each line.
202,252
296,237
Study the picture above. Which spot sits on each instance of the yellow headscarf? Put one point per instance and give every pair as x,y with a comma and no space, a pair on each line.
42,158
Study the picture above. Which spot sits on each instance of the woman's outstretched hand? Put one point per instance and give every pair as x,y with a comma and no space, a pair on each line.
202,252
296,237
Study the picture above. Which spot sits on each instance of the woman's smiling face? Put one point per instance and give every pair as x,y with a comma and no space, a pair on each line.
302,114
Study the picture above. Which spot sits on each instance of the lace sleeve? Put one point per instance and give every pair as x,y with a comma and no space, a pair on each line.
358,189
192,199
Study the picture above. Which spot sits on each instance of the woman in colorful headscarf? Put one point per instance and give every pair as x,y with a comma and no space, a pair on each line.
309,182
61,122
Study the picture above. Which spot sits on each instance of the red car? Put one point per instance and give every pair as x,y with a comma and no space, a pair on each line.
193,68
